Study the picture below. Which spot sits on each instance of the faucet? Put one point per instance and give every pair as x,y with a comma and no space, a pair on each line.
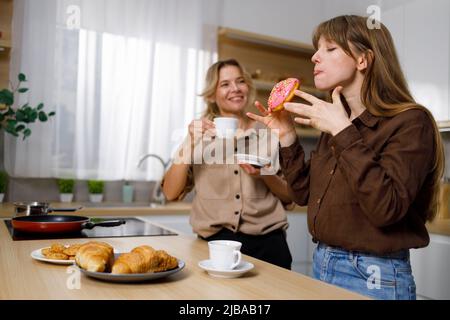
158,195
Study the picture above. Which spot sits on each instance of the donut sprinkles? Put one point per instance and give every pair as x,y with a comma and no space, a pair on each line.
282,92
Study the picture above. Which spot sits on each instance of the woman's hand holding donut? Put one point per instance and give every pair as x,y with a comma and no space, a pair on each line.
324,116
281,121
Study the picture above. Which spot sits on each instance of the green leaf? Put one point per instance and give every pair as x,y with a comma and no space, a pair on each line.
23,90
10,112
6,97
22,77
11,127
13,132
42,116
11,123
33,115
20,115
20,127
26,133
40,106
51,114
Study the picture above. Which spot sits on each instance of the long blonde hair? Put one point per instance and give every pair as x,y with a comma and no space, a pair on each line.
384,91
212,79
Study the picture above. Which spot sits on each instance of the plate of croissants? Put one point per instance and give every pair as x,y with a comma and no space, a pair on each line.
143,263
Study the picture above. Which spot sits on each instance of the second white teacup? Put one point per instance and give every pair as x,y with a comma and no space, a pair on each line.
226,127
225,254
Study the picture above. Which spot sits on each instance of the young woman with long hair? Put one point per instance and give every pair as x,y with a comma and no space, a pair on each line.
372,182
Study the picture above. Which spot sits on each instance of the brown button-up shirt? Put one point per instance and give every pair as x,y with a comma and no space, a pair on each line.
227,197
366,187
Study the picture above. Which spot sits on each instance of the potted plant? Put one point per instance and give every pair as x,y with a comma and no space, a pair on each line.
16,120
3,184
95,188
66,189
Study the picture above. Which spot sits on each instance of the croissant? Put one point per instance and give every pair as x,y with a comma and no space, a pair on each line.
95,256
144,259
166,262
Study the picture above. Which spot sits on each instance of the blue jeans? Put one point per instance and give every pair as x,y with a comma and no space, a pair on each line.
380,277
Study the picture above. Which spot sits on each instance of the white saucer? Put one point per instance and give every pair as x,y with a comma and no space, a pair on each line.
252,159
242,268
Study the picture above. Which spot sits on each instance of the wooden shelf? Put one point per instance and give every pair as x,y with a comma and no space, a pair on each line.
443,125
307,132
5,46
6,13
267,86
265,40
5,43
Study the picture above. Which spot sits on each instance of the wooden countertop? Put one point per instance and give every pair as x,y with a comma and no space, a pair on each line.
21,277
438,226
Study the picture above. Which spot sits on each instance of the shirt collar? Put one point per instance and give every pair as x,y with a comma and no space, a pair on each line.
368,119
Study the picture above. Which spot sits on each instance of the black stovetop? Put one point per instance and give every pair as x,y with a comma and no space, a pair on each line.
132,228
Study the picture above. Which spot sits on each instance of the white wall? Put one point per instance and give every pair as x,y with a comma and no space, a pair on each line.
420,29
288,19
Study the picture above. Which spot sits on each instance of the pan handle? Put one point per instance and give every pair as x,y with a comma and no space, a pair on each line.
110,223
64,209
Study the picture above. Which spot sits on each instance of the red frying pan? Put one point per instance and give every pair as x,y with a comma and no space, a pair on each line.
58,223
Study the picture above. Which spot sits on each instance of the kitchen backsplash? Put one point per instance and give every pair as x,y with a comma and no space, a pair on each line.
23,189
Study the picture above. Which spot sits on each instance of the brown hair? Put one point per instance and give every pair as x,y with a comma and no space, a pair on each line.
384,91
212,79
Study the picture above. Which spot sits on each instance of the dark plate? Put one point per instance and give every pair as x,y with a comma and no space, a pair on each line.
134,277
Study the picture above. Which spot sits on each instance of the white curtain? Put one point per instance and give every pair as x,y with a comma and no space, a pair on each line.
123,77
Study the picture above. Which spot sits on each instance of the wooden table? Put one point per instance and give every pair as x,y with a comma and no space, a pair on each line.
22,277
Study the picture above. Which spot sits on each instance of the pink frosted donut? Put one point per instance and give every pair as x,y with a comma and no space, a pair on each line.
282,92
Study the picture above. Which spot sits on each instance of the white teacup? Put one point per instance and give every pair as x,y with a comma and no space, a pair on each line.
226,127
224,254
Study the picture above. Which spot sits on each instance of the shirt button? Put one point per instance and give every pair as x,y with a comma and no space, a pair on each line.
318,200
238,196
236,212
332,148
236,172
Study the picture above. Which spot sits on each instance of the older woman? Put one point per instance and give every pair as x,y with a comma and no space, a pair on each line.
233,201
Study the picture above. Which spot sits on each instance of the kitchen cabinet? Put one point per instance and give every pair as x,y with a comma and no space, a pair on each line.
430,268
300,243
421,34
270,60
6,10
178,223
